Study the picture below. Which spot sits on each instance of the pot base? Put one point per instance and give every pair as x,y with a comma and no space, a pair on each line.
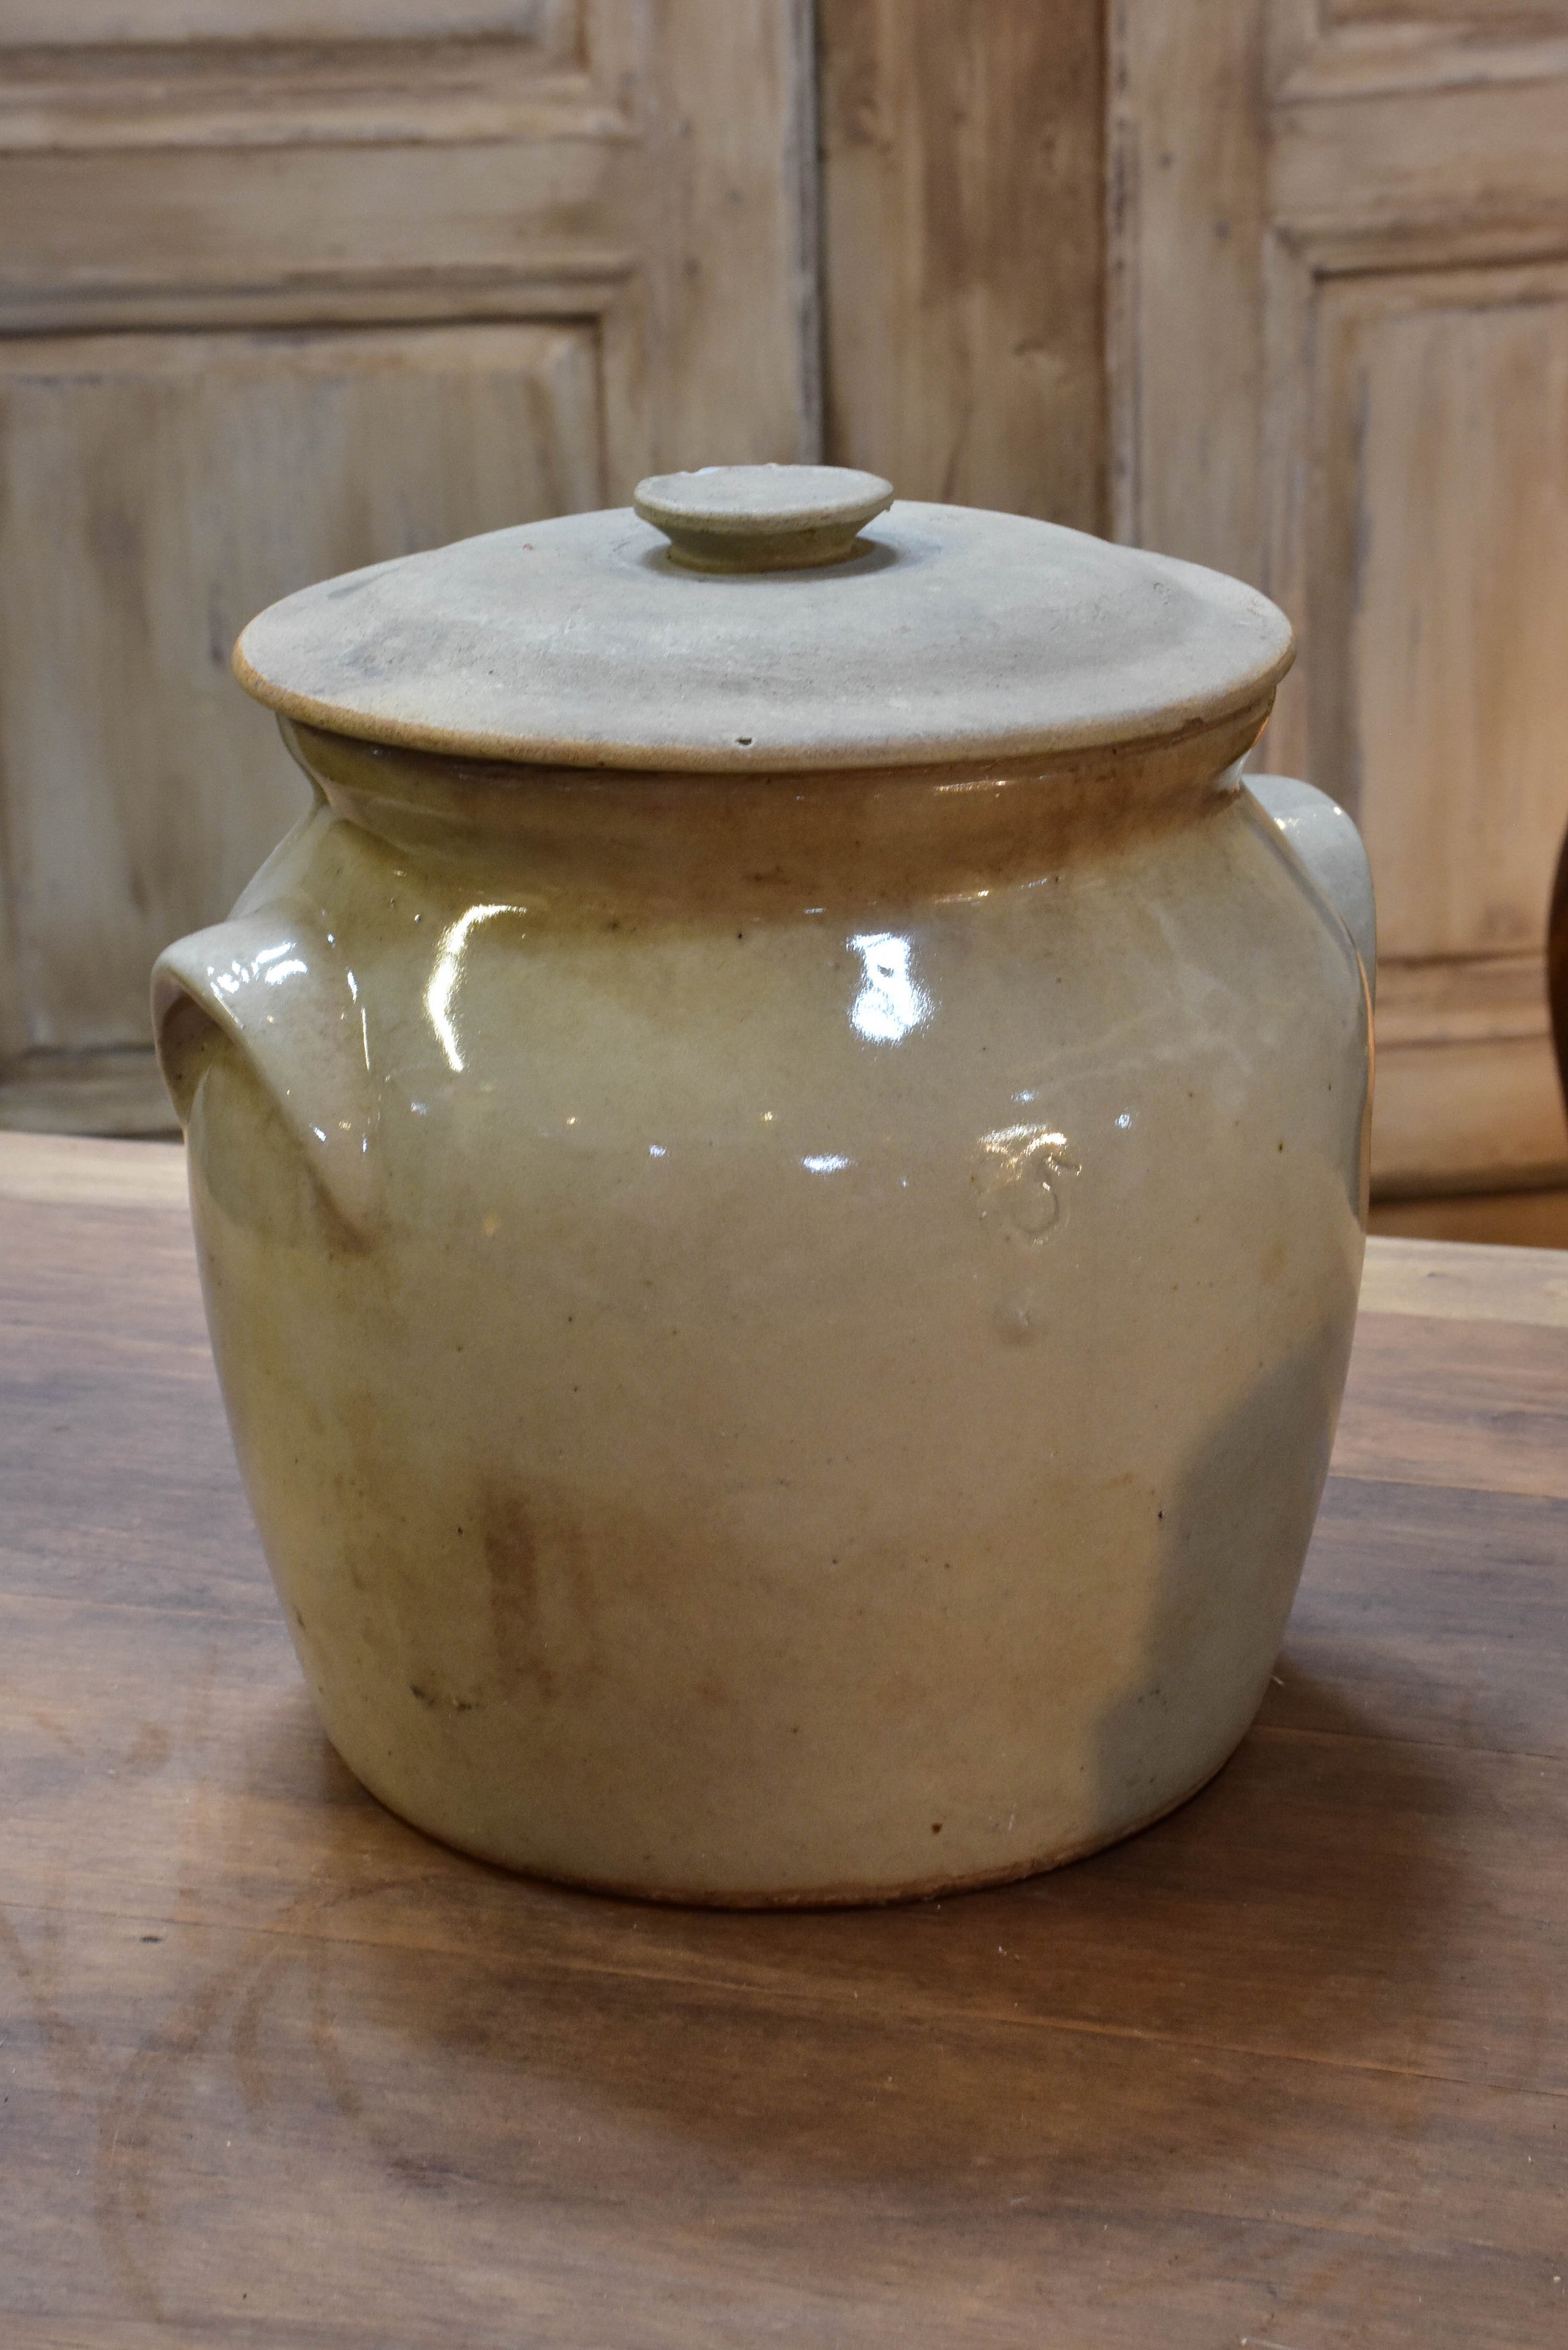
832,1897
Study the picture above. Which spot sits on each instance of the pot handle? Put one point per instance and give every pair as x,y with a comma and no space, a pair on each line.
274,983
1329,845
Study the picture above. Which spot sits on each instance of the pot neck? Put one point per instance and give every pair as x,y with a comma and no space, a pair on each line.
613,836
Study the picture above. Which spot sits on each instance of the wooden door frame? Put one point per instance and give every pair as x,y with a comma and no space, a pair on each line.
646,70
1222,122
636,201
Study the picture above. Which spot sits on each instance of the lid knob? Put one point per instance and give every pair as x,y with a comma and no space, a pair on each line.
762,518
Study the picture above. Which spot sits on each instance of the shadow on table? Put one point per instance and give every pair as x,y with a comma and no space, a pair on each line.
1291,1909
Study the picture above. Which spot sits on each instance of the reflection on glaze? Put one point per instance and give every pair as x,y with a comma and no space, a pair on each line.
1018,1172
364,1023
449,971
826,1162
266,964
889,1003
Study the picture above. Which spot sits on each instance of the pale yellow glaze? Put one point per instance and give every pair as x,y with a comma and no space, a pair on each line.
784,1331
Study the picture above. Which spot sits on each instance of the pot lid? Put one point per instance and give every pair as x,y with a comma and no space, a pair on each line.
770,617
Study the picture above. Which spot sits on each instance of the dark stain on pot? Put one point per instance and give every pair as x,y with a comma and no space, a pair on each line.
434,1698
541,1594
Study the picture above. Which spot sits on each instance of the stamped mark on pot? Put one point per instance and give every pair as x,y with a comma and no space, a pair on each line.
1020,1174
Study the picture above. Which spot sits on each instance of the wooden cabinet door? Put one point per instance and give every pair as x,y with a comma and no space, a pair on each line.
289,285
1340,367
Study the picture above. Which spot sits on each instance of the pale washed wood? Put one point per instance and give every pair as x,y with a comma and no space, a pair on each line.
83,23
1532,1219
1316,48
117,1092
80,229
72,1170
1465,1054
403,92
1333,375
1448,1108
202,72
1506,14
964,244
640,175
1466,1281
1444,689
1345,158
1186,195
724,216
1423,1407
1447,635
1479,1000
159,489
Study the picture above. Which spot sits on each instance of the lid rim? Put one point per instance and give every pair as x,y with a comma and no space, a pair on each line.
956,635
843,757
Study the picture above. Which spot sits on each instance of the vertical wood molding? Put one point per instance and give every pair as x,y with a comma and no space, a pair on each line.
1293,511
1124,389
1337,249
732,379
13,1005
1186,197
804,163
964,249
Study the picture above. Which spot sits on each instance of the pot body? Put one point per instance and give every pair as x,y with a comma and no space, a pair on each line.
784,1335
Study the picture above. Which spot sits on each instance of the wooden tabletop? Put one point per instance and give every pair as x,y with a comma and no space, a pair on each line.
1290,2070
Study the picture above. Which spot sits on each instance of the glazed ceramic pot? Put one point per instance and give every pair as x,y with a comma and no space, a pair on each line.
779,1168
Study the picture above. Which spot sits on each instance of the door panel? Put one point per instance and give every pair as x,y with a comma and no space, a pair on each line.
145,23
963,223
182,482
1443,403
287,285
1467,15
1340,369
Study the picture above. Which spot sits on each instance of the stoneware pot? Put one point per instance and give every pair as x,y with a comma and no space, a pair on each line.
779,1168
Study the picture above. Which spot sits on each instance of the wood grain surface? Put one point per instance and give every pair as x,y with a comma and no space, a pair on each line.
289,286
1338,367
963,249
1289,2070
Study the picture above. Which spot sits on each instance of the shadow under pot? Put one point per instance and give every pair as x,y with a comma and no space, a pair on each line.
779,1166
